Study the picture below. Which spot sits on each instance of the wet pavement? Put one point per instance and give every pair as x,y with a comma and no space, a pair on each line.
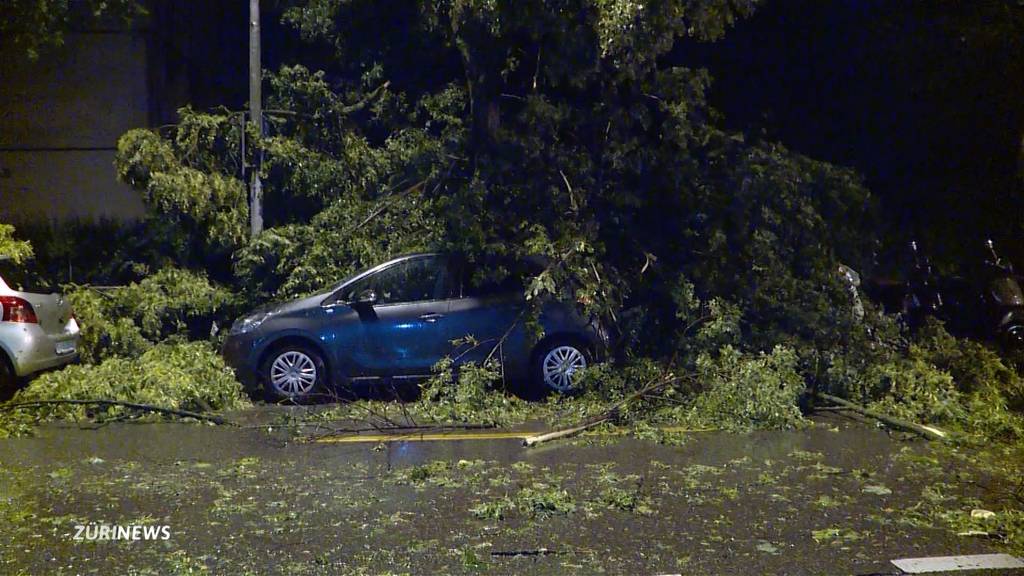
837,498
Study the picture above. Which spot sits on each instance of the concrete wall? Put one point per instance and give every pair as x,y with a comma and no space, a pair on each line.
60,118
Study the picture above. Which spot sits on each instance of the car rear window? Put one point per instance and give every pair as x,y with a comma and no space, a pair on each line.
24,277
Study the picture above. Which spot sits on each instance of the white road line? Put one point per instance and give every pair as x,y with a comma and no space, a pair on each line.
953,563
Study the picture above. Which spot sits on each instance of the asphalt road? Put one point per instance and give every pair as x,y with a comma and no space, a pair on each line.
838,498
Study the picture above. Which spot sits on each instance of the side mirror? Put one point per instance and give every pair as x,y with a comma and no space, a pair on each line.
366,298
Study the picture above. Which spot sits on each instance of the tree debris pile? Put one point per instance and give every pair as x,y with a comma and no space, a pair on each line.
184,376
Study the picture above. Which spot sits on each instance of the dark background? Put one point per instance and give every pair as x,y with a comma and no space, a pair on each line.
925,99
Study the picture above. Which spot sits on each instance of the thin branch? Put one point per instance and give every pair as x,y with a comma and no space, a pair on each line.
346,110
385,203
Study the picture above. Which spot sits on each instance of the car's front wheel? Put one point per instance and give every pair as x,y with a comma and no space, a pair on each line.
294,373
557,366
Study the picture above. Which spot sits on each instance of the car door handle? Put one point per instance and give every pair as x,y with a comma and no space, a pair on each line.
431,317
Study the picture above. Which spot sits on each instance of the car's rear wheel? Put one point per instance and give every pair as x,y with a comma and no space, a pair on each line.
7,377
294,373
557,365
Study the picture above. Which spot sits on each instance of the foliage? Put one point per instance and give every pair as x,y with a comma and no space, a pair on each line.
189,180
297,259
975,368
631,499
128,320
918,391
957,382
538,500
752,391
468,393
17,251
929,377
187,376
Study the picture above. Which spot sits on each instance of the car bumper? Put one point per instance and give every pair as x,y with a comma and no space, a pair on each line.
239,354
32,350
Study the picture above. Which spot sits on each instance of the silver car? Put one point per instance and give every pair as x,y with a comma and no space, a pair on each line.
38,329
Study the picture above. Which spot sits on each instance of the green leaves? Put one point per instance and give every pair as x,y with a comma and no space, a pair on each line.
127,321
190,179
190,376
17,251
748,391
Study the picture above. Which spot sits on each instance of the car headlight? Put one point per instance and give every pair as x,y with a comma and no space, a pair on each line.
249,323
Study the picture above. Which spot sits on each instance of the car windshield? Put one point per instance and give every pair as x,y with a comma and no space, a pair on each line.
24,277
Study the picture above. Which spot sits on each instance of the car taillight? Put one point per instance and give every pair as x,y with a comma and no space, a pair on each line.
16,309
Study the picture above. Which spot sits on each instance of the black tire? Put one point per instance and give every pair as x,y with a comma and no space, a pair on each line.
542,354
274,375
8,379
1011,344
1011,337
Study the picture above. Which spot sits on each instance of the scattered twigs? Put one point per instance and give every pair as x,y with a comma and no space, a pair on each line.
385,422
131,405
929,432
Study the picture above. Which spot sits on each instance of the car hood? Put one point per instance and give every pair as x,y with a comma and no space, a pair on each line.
292,306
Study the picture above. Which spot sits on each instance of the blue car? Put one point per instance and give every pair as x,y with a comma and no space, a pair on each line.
390,324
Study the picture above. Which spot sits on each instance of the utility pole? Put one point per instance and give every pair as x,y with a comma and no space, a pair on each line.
256,114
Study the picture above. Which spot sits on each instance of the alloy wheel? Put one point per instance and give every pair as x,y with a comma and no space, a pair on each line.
561,365
293,373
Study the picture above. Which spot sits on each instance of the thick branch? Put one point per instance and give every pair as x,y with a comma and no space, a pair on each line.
132,405
929,432
607,414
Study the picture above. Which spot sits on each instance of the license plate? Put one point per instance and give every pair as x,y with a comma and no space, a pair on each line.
66,347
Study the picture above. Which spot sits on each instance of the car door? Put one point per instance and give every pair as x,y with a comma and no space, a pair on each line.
489,310
404,333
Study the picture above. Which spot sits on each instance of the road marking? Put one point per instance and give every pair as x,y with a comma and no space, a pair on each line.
460,435
953,563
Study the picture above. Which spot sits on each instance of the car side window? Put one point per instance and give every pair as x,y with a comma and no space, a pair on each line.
413,280
492,278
